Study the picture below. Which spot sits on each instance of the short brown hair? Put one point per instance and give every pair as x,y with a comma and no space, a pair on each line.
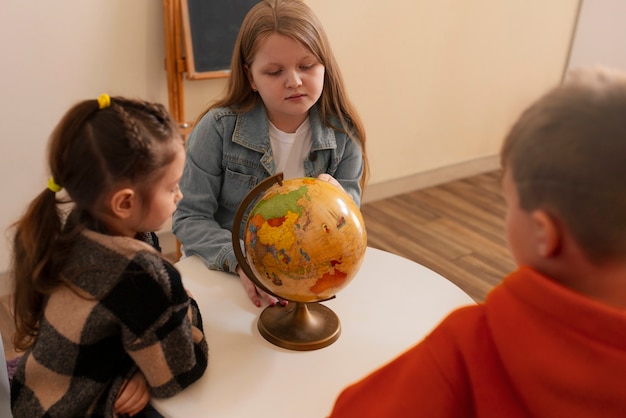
567,156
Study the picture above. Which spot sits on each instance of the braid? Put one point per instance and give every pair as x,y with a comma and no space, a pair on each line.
158,111
134,113
136,141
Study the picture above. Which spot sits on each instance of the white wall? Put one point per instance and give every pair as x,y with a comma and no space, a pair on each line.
437,82
600,37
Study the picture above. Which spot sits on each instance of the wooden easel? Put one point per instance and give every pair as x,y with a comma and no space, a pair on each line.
177,30
175,67
175,64
179,58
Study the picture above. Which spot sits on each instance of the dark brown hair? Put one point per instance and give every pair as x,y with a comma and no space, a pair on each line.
293,19
567,156
90,152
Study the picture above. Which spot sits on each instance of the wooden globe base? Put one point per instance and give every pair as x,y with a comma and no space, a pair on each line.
299,326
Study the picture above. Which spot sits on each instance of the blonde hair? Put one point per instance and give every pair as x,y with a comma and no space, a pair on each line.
294,19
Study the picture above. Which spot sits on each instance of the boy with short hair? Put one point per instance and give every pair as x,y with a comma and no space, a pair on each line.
550,340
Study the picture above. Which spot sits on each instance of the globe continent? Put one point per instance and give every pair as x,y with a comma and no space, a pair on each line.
305,239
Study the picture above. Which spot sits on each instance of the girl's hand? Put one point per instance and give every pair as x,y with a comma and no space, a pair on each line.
254,293
133,397
330,179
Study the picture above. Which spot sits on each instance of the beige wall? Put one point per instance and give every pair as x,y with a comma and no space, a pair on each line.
437,82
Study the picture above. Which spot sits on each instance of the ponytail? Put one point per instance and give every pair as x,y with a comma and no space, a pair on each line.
34,253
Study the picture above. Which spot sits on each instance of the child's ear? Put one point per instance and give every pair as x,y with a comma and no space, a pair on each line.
123,202
250,78
548,234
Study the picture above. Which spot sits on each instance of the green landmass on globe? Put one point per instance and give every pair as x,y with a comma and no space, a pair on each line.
305,239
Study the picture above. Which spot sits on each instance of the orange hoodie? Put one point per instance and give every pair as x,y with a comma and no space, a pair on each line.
533,349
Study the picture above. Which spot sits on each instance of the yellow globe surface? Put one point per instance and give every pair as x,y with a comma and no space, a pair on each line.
305,239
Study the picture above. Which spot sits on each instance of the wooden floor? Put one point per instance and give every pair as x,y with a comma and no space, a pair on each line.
455,229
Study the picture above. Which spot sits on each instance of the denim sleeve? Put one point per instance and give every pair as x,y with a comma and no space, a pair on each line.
350,169
344,163
194,223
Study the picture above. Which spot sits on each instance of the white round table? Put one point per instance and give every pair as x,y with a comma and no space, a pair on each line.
390,305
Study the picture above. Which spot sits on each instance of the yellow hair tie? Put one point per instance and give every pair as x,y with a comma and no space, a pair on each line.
53,186
104,101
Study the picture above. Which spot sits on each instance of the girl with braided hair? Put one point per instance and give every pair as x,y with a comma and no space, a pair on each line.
103,319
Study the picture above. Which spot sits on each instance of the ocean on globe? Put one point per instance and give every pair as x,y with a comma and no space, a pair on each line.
305,239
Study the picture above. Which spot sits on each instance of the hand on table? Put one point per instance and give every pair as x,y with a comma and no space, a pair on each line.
255,294
133,397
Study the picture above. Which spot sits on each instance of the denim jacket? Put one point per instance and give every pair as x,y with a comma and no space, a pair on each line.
230,153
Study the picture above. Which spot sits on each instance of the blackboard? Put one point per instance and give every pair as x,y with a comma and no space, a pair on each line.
210,28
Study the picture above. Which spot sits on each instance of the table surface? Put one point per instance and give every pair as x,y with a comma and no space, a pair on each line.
390,305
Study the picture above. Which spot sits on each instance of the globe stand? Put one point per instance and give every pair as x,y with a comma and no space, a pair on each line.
299,326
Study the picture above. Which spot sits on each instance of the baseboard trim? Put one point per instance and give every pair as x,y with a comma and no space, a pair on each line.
430,178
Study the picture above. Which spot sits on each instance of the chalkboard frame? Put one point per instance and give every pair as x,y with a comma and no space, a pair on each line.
204,31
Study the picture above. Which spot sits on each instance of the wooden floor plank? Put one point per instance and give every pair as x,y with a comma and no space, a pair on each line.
455,229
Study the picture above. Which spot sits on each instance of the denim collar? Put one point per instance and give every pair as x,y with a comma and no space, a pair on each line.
252,130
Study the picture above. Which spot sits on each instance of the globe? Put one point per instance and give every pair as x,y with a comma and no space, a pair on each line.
304,241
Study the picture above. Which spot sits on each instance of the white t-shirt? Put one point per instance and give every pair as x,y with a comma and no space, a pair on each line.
290,150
